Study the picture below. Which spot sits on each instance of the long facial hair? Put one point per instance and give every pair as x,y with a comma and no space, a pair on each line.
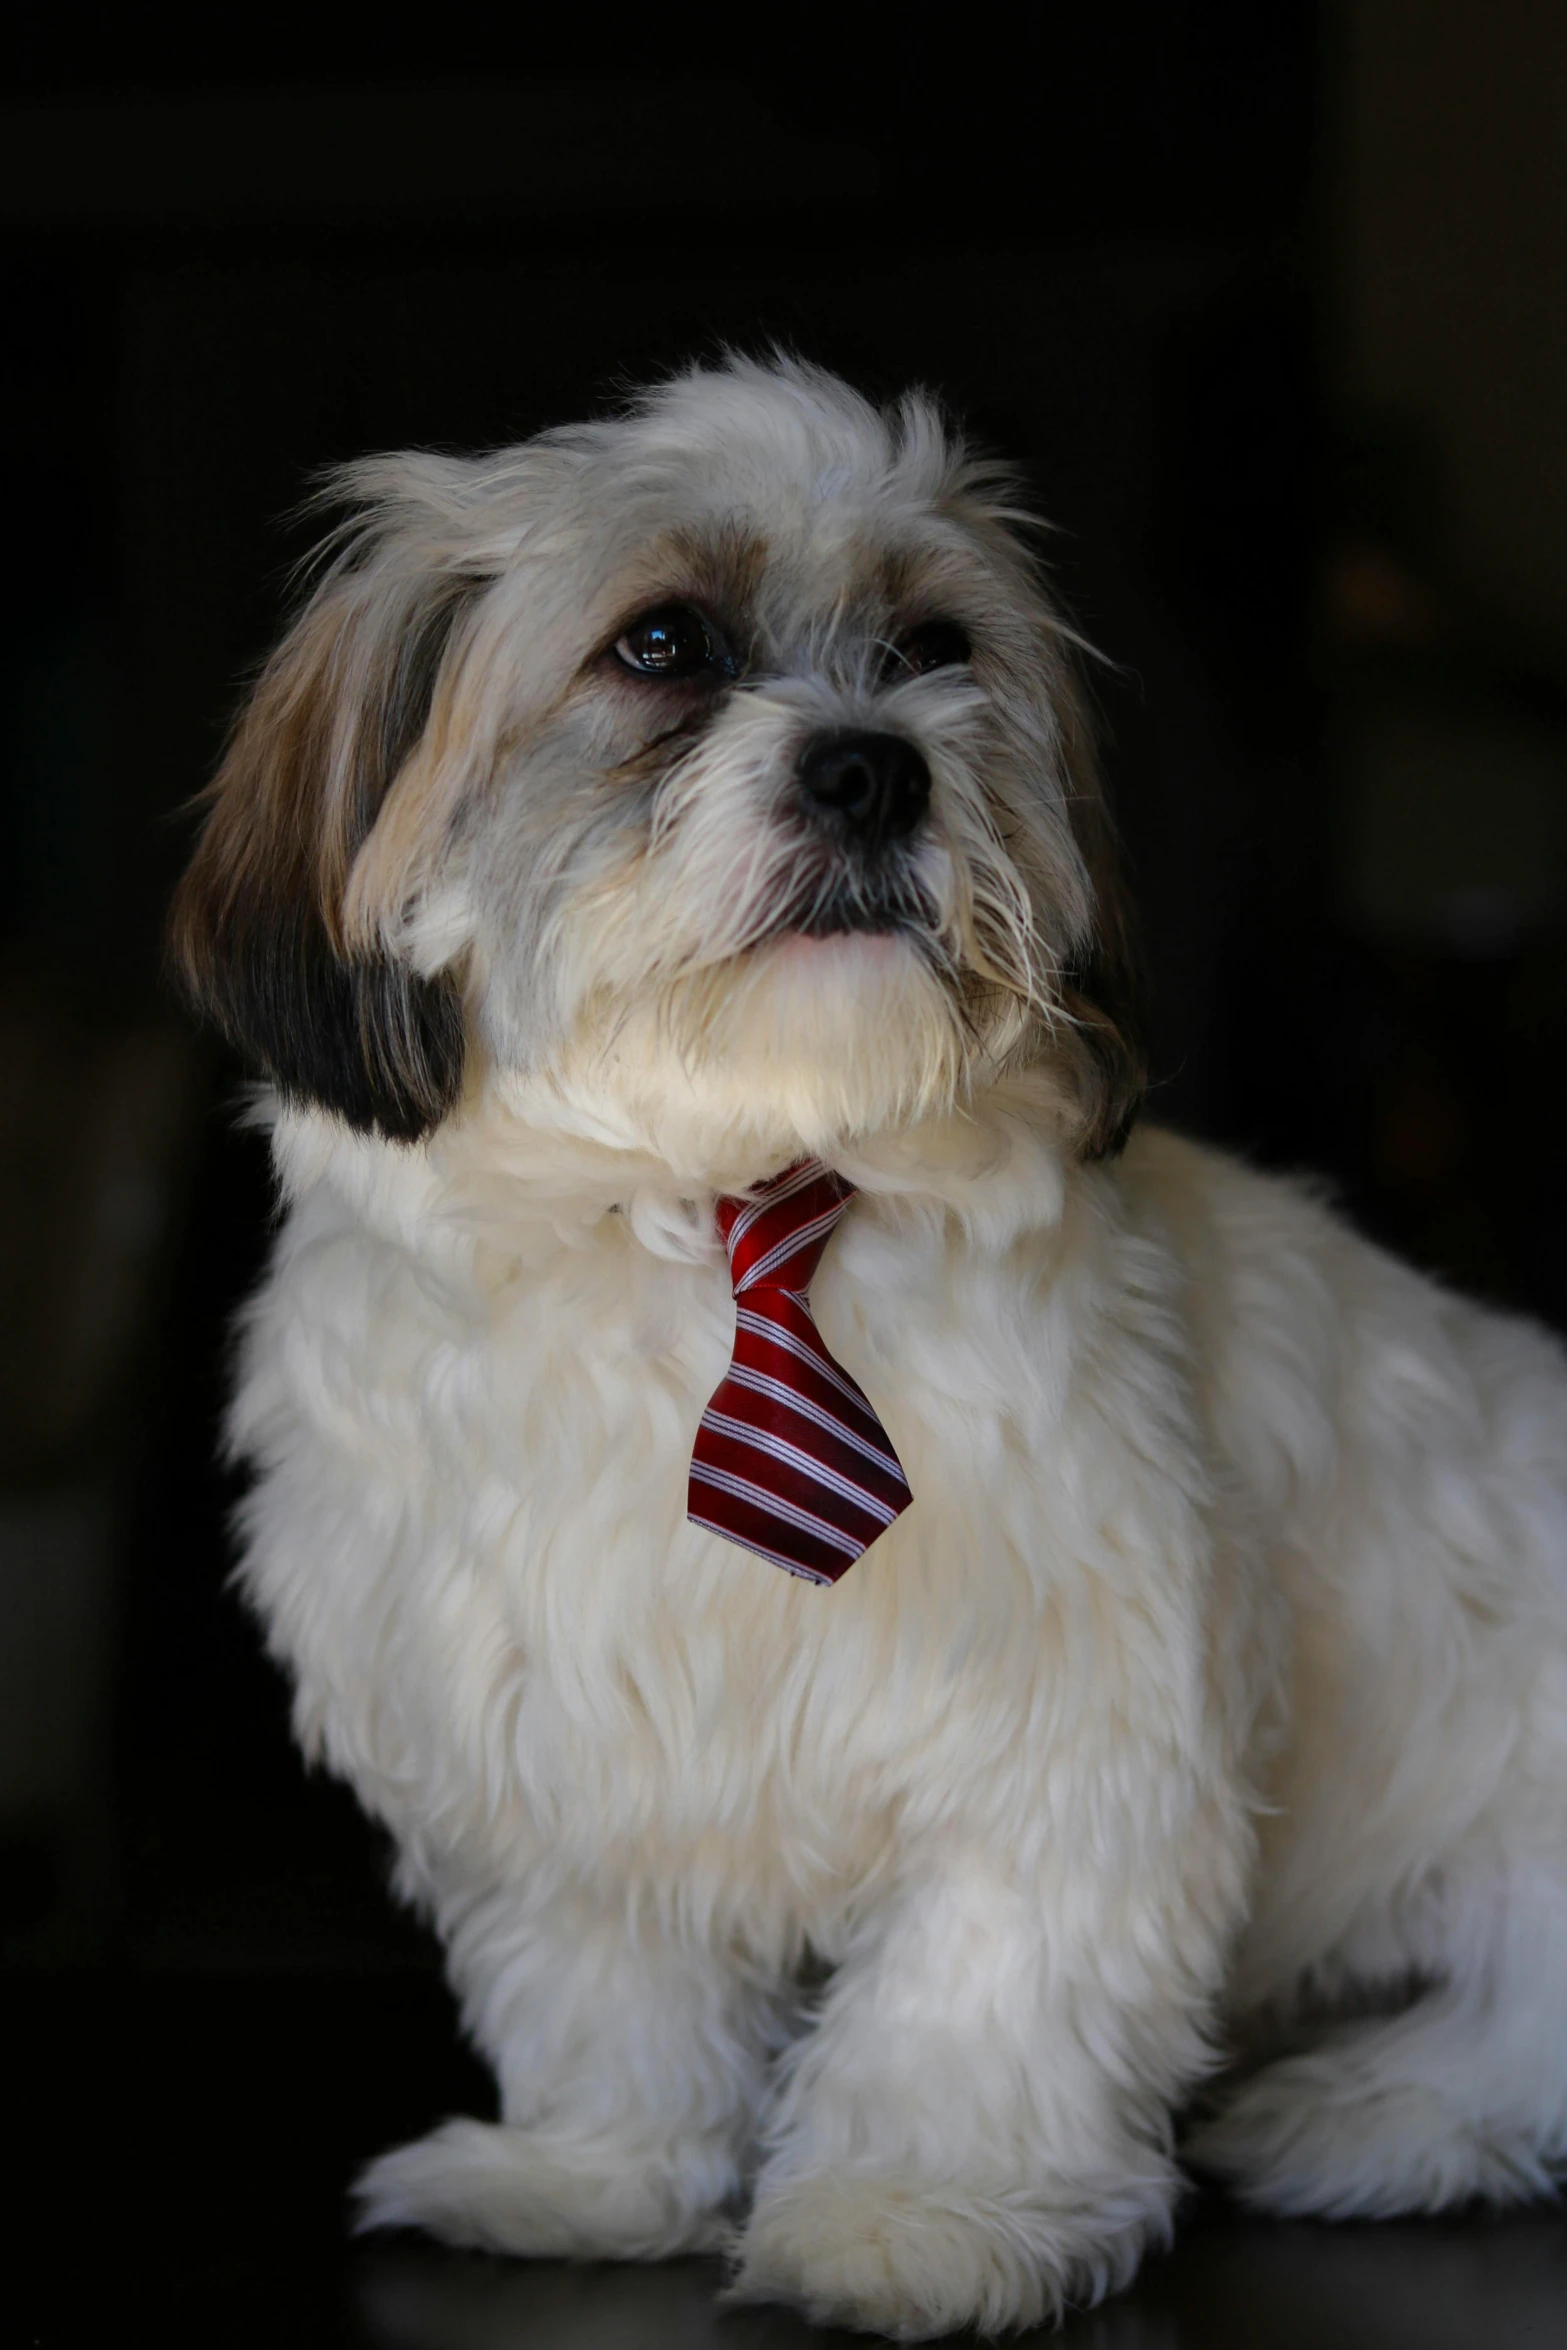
588,884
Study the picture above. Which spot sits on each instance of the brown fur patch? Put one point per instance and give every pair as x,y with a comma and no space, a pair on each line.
257,934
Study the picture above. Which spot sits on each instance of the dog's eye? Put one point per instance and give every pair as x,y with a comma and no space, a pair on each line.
674,641
937,644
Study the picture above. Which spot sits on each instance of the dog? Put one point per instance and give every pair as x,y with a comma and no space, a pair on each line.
632,817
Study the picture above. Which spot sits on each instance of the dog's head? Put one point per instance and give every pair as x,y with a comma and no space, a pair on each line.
727,751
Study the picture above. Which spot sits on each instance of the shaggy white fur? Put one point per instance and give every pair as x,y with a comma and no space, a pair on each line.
1220,1666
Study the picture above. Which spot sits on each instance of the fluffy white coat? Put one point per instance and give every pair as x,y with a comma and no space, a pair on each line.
1222,1657
1218,1672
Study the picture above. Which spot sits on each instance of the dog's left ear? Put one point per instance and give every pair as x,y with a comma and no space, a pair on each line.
258,935
1101,992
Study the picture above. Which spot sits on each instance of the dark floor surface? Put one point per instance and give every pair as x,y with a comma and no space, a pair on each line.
185,2142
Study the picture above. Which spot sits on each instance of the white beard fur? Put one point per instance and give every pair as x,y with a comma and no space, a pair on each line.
1220,1663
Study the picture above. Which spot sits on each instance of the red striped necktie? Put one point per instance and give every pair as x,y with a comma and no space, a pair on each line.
790,1461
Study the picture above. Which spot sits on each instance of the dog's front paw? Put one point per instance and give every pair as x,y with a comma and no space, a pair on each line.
911,2258
501,2190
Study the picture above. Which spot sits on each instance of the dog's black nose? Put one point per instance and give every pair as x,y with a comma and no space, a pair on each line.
873,787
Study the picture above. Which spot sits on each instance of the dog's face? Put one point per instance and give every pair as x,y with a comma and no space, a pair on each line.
725,752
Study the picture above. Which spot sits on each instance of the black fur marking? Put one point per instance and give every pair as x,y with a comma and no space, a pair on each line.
349,1030
366,1038
1103,996
406,711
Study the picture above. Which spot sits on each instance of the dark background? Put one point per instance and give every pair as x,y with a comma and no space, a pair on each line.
1268,298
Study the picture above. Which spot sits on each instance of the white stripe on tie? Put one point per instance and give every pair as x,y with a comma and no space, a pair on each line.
790,1247
776,1507
760,1384
760,1327
786,1189
797,1457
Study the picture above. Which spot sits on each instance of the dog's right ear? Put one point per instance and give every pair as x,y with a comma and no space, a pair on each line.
258,937
1101,993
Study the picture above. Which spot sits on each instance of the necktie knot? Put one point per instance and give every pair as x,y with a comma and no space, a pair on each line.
790,1460
776,1236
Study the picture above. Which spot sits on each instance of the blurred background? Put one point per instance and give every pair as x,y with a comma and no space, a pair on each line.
1268,299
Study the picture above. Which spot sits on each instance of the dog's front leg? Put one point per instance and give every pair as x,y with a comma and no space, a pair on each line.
976,2131
630,2059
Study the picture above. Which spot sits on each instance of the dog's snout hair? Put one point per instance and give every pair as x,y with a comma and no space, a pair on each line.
571,740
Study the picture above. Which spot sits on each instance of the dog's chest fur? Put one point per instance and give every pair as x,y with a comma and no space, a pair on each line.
469,1540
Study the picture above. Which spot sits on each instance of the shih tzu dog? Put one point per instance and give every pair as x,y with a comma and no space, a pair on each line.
868,1735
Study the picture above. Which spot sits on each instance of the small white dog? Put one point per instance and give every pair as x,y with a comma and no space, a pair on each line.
1219,1666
